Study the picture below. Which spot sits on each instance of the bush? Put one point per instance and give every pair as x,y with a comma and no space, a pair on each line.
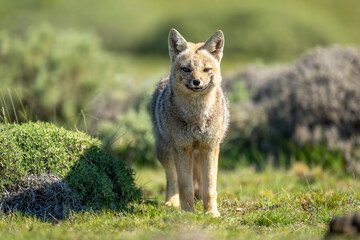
35,149
307,110
54,73
135,144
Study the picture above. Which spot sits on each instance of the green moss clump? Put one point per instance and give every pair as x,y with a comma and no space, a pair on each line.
37,148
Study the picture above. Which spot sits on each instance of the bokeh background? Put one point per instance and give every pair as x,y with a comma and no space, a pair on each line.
291,71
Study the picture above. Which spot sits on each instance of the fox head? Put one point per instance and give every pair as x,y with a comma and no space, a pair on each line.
195,66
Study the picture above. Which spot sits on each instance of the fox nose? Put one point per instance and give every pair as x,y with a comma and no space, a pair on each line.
196,82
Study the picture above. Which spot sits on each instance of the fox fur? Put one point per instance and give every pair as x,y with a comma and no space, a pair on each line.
190,117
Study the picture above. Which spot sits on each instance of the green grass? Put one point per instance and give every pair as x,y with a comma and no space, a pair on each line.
274,204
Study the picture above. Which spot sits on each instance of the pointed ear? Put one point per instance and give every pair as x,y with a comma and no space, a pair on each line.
177,44
215,45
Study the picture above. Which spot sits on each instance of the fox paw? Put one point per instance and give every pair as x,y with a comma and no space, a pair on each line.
172,204
214,213
173,201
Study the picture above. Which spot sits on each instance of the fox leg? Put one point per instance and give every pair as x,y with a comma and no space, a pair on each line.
198,185
209,158
172,191
184,169
165,156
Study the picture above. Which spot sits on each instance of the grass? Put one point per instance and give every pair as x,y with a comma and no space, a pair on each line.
275,203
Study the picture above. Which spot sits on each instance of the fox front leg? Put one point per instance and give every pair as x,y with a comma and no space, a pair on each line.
184,169
209,157
166,157
172,192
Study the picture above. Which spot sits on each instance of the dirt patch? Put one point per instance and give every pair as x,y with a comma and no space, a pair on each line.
348,225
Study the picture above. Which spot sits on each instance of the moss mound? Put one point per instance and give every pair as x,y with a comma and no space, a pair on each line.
308,110
42,150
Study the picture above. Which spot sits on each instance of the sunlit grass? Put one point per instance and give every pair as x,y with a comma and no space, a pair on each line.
274,204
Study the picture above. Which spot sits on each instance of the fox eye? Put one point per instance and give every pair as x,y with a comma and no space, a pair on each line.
185,69
206,69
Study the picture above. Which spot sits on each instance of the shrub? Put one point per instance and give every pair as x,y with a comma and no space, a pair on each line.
35,149
308,110
135,141
54,73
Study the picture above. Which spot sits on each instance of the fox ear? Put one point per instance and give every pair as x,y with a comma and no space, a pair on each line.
215,45
177,44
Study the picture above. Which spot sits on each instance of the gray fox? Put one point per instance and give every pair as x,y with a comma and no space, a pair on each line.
190,117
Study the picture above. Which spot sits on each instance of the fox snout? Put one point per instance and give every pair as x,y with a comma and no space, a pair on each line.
196,85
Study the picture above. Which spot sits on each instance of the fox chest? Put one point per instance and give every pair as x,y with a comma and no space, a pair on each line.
206,131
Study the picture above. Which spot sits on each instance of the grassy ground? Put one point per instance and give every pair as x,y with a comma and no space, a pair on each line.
275,204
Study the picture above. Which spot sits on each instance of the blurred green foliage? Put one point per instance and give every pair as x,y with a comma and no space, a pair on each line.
140,149
36,148
56,73
244,143
267,30
53,73
304,111
239,149
130,136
